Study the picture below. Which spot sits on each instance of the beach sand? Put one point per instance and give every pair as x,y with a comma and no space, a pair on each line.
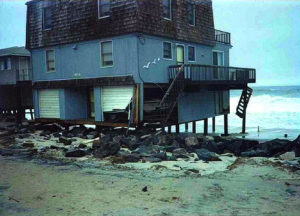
240,187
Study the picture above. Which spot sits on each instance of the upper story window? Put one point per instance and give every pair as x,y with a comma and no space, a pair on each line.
107,54
50,60
191,53
191,13
167,9
167,50
103,8
5,64
47,18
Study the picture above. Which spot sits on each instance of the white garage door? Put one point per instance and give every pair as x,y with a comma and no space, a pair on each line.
116,97
49,103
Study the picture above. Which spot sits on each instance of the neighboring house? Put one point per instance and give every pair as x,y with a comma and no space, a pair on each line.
107,61
15,80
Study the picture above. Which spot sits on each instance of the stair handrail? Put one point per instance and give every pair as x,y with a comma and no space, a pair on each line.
181,69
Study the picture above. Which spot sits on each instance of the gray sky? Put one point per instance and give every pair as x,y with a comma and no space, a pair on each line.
265,35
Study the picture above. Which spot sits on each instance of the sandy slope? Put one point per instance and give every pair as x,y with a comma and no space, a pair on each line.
252,187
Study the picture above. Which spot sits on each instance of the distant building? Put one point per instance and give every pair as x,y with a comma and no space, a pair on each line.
107,61
15,80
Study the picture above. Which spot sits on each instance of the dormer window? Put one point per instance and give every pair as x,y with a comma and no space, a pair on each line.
167,9
191,13
47,18
103,8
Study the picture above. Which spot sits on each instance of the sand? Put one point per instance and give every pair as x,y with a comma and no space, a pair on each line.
236,187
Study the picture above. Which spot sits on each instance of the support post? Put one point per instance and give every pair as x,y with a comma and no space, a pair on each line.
226,125
19,105
177,128
186,127
214,124
244,124
194,127
205,127
169,129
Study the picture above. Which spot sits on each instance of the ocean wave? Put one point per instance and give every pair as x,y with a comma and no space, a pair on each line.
269,104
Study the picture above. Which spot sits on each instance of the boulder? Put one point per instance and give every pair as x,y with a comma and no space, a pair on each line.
211,146
296,144
162,140
92,135
276,146
65,141
191,141
171,148
180,153
238,146
129,142
52,128
28,144
288,156
75,153
147,151
131,157
204,154
45,133
152,160
160,155
255,153
106,149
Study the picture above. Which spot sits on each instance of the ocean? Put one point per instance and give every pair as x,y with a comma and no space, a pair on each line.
274,109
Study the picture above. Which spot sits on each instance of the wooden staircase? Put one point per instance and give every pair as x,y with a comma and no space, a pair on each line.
243,103
170,99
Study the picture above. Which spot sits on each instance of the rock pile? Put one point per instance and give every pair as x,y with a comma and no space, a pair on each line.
144,145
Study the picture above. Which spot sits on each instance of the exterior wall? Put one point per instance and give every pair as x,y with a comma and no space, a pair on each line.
10,77
74,21
194,106
84,61
153,49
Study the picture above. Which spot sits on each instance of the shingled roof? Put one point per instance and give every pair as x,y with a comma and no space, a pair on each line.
14,51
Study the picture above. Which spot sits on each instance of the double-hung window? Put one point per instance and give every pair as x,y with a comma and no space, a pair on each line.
167,9
191,53
50,60
107,54
47,18
167,50
191,13
5,64
103,8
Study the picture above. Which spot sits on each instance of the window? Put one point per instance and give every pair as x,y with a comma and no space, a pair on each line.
103,8
5,64
50,60
191,13
167,50
191,53
167,9
47,18
106,54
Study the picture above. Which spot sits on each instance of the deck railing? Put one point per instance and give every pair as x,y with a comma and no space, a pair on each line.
214,73
222,37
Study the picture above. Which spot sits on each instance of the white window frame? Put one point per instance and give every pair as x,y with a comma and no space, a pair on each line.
218,51
169,59
184,52
194,12
189,53
99,15
43,23
46,60
112,53
168,18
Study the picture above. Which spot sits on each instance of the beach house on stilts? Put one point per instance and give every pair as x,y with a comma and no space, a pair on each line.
135,62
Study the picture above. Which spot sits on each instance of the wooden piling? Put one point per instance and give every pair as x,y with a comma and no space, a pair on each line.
244,124
205,127
177,128
194,127
186,127
226,125
214,124
169,129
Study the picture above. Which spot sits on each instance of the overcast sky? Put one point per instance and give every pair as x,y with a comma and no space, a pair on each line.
265,35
